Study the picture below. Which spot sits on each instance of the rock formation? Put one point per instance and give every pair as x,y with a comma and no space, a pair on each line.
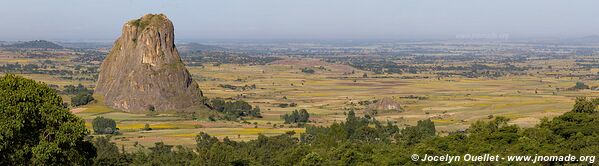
143,70
385,104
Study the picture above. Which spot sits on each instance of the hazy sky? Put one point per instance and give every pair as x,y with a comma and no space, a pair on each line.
301,19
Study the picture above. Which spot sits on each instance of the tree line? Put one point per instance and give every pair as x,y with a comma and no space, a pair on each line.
233,110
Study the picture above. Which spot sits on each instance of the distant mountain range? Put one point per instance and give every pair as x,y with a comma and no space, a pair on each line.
43,44
87,45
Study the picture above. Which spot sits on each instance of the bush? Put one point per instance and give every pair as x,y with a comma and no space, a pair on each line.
151,108
103,125
308,70
283,105
235,109
147,127
581,85
81,99
108,152
301,116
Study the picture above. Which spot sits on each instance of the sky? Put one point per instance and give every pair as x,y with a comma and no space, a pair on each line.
198,20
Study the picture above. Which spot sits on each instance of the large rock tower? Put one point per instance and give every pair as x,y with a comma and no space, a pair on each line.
144,70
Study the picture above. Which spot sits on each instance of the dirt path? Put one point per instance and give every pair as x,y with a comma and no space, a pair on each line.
77,110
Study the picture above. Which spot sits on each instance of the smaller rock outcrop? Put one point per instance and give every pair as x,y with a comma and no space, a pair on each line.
386,104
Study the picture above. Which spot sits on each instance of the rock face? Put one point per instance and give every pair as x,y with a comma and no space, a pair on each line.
143,70
386,104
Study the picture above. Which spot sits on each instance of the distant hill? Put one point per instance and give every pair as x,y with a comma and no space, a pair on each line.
189,47
584,39
87,45
590,39
35,44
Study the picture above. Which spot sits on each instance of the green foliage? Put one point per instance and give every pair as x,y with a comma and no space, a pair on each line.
583,105
147,127
411,135
217,56
107,152
283,105
103,125
160,154
583,119
581,85
135,22
35,129
151,108
73,90
356,141
142,23
301,116
311,159
240,88
365,141
308,70
82,95
81,99
232,110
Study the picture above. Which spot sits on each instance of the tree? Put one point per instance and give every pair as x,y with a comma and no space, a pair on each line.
108,152
151,108
581,85
81,99
301,116
304,116
103,125
255,112
311,159
147,127
235,109
73,90
35,129
414,134
583,105
205,141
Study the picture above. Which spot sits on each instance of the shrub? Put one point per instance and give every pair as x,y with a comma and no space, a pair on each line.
147,127
151,108
301,116
581,85
103,125
308,70
81,99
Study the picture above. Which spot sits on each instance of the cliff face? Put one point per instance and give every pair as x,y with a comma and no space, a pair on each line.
144,69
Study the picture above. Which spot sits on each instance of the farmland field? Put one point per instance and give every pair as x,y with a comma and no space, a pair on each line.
337,85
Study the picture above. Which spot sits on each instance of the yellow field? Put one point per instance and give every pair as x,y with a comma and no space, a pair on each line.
326,95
